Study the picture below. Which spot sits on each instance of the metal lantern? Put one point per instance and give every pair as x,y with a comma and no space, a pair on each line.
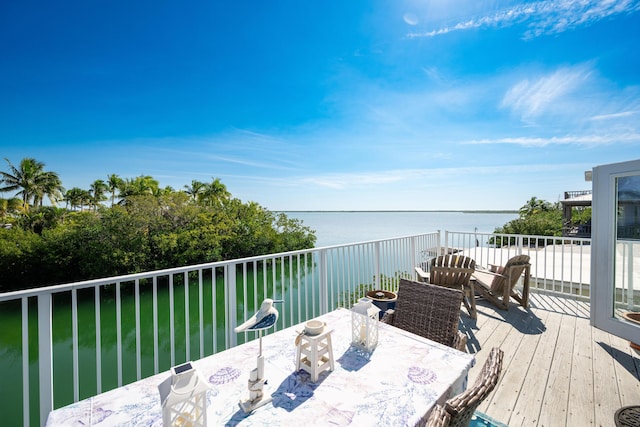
184,398
364,324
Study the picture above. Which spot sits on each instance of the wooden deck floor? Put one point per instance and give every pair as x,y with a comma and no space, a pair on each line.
558,370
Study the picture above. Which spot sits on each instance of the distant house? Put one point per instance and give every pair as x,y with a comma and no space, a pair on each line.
575,199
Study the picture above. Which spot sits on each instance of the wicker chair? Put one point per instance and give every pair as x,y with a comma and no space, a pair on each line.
439,417
461,407
497,284
429,311
453,271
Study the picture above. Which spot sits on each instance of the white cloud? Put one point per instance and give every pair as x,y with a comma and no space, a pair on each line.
410,19
585,140
531,98
544,17
614,116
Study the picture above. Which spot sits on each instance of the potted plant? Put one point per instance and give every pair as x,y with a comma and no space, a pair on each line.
384,300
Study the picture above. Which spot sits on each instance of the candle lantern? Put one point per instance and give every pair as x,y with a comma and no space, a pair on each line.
184,397
364,324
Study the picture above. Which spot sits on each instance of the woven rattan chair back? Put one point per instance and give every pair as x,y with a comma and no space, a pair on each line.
462,406
429,311
439,417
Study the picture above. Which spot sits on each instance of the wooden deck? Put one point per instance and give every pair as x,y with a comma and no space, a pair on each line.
558,370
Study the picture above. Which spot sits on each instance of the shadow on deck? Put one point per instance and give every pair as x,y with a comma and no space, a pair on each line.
558,370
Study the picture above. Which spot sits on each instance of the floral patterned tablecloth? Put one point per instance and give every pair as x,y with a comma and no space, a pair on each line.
396,385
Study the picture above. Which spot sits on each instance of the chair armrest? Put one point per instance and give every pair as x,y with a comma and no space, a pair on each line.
496,268
482,274
460,342
423,276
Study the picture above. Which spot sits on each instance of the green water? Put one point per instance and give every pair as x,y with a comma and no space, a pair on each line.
294,286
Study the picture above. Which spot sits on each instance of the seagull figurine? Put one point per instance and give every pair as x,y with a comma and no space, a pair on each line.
265,318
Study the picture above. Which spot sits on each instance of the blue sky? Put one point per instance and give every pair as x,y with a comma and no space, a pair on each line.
326,105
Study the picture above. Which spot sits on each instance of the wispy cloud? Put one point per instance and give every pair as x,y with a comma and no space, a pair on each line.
340,181
586,140
615,116
544,17
531,98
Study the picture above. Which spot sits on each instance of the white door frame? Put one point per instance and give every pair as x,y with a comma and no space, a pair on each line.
603,236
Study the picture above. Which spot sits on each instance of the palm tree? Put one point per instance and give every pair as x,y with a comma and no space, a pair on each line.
114,182
51,187
97,190
195,190
31,182
10,206
139,186
216,192
77,197
534,206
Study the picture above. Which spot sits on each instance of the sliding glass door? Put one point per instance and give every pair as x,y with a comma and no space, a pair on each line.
615,265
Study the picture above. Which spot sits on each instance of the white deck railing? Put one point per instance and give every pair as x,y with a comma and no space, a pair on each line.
151,311
142,324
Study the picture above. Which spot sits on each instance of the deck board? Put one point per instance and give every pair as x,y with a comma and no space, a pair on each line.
554,407
606,394
558,369
526,410
580,410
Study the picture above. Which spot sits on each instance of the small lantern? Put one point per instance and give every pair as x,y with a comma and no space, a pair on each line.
364,324
184,398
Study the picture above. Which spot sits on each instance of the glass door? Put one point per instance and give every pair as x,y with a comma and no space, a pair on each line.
615,258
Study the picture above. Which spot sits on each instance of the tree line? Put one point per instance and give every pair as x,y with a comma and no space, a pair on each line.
124,226
542,218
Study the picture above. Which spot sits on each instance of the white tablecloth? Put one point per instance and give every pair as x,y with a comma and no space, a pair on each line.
394,386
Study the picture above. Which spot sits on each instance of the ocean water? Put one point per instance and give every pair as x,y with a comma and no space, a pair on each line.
335,228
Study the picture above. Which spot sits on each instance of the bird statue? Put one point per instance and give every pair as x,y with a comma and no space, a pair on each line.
265,318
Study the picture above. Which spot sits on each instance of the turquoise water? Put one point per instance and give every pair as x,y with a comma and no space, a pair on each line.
331,228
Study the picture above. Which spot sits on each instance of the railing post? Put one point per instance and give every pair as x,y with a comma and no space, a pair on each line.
377,284
446,244
414,260
232,316
324,283
25,361
45,356
630,285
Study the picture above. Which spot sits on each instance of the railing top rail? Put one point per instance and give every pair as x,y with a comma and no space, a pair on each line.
12,295
568,194
524,236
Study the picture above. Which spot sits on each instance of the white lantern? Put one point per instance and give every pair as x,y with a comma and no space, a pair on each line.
364,324
184,398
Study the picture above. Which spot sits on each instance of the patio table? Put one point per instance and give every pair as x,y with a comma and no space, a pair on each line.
397,384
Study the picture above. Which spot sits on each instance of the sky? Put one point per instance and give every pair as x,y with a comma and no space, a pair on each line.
325,105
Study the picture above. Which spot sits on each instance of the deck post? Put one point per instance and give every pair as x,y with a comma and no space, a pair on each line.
45,355
232,315
323,277
630,284
377,283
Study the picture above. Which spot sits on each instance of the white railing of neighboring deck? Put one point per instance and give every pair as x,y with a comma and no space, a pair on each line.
559,265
